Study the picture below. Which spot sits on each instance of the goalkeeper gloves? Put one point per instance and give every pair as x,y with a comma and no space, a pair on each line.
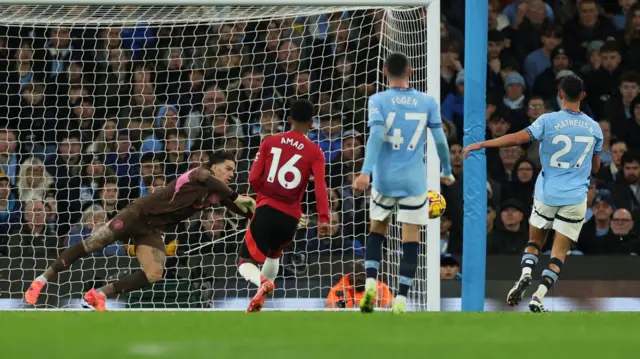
246,204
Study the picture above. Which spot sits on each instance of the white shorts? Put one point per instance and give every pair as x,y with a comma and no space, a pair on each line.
566,220
411,210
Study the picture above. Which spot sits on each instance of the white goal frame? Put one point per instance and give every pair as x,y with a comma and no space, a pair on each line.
433,85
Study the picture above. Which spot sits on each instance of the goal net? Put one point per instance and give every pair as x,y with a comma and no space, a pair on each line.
104,104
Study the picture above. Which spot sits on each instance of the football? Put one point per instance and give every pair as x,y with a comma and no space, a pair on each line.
437,204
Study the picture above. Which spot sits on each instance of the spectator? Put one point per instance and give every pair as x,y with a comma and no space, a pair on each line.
108,198
455,157
167,119
209,228
609,172
528,31
113,86
496,56
453,105
601,83
535,109
445,226
545,85
594,58
157,182
621,109
620,19
34,180
450,66
337,241
58,52
35,239
200,119
106,140
93,218
176,154
9,158
593,233
36,123
10,208
351,157
522,185
329,136
591,194
588,26
605,154
511,233
515,100
517,11
354,203
349,290
540,59
200,154
502,172
626,192
630,38
622,239
449,268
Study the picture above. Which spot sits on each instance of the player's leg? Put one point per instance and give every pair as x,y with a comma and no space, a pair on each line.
380,209
413,214
540,223
567,225
253,252
151,257
101,238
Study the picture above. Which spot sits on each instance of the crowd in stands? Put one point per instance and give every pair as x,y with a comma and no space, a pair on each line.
532,45
94,117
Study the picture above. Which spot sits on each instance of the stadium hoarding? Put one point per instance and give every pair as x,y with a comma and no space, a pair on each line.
590,284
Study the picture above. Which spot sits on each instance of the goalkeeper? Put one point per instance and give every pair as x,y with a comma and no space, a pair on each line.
145,220
398,118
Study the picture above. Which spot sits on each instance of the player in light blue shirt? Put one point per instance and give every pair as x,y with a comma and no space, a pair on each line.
570,145
395,157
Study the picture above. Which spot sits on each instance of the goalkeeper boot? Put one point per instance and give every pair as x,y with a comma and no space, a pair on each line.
369,299
266,288
535,305
96,300
32,294
517,292
398,304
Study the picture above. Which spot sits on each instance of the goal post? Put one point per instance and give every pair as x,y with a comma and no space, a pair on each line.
150,88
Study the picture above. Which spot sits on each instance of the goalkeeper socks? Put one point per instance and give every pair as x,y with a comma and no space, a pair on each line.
270,268
251,273
373,255
408,266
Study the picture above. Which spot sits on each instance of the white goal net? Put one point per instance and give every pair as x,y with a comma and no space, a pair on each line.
103,104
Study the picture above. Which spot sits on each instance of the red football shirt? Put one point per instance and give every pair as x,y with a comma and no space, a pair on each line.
281,172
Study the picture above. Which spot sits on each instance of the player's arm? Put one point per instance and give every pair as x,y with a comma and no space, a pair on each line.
213,184
376,136
595,160
532,133
595,163
257,169
439,137
233,207
512,139
322,198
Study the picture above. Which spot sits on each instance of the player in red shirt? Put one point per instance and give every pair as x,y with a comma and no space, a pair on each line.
279,175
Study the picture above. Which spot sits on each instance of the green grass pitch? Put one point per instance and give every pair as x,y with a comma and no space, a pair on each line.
308,335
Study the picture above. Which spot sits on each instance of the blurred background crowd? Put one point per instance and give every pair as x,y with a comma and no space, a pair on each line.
92,117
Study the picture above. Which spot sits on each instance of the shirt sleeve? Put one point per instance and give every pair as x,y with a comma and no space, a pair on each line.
434,119
322,199
257,169
598,145
375,112
536,129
